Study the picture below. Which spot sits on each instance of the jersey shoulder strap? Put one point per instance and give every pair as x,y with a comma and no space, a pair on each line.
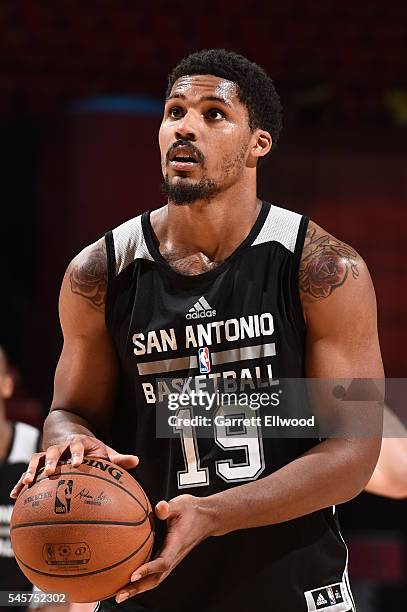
285,227
288,229
124,244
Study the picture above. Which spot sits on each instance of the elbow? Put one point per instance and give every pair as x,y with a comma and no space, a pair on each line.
354,490
361,468
355,486
370,454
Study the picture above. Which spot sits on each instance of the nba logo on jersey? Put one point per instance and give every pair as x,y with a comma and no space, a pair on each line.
204,360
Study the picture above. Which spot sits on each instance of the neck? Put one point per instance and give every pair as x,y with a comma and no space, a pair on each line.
214,228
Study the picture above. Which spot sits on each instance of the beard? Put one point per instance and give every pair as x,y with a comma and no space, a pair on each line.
184,192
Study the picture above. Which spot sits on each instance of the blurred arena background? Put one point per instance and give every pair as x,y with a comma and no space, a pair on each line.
81,88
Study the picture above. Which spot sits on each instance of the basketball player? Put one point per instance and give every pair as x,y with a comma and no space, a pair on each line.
18,441
218,283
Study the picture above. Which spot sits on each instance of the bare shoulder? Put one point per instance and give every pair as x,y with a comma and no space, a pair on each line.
328,264
87,275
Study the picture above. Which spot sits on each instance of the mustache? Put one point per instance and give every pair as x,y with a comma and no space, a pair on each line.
189,146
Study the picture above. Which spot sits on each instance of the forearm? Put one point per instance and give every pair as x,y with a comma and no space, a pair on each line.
61,424
330,473
67,432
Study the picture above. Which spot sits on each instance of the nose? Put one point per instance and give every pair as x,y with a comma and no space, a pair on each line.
186,128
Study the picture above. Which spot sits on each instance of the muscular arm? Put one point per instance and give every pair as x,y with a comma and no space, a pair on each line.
340,311
85,377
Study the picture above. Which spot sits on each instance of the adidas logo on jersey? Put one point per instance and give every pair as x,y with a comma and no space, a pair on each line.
200,310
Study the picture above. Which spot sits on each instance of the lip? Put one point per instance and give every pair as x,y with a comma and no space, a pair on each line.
183,151
184,166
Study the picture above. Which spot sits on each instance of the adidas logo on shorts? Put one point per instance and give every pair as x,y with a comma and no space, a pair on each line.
200,310
332,597
321,600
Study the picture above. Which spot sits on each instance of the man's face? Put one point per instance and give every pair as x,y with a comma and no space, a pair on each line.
204,138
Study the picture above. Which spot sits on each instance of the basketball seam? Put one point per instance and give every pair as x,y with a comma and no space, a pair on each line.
144,495
122,523
99,571
144,560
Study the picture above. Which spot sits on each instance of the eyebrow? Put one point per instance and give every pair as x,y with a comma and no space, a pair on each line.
203,99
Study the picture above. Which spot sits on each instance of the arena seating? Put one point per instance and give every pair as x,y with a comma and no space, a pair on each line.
53,52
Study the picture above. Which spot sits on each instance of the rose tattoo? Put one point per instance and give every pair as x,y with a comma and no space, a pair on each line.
325,264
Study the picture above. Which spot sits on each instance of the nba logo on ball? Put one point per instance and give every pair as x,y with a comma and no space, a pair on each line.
204,360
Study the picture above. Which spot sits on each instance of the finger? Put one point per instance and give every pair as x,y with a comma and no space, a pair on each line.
122,596
77,451
159,565
32,467
162,510
144,585
16,490
125,461
52,456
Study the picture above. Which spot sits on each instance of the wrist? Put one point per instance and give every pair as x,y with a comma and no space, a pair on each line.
210,509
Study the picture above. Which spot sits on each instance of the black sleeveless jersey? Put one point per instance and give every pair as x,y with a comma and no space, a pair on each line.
241,320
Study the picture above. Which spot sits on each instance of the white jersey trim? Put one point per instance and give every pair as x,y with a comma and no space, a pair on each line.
281,225
345,577
129,243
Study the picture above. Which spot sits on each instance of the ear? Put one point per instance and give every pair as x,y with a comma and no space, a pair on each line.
6,386
261,146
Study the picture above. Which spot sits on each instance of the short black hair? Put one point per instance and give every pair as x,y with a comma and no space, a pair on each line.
255,88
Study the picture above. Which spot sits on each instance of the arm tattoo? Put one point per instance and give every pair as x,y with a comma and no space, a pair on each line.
88,276
325,264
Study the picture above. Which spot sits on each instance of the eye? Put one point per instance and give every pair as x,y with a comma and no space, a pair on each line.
214,114
175,112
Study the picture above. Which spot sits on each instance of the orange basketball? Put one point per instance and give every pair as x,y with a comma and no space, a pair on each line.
82,531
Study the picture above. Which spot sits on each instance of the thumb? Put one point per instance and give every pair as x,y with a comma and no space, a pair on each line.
162,510
125,461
